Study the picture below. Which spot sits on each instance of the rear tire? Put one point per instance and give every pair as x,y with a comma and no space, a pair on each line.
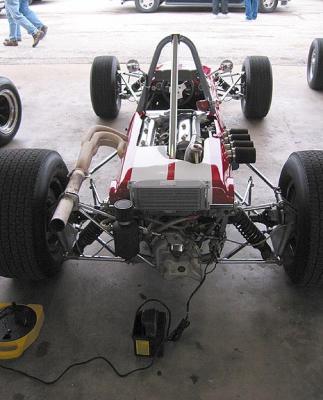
31,182
10,111
315,65
301,182
256,87
105,86
267,6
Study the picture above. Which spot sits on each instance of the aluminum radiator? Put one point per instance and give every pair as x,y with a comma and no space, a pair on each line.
169,196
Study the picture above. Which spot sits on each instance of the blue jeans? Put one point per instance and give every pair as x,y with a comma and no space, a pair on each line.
252,8
16,19
216,6
14,29
29,14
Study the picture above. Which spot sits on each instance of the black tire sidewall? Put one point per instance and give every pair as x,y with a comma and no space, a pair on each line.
26,176
316,82
105,92
294,173
7,84
257,91
52,168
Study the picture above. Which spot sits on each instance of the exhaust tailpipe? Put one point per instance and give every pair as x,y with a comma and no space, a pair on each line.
97,136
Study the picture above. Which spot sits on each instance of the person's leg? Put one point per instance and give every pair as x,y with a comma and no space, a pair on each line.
29,14
216,6
12,41
18,33
248,9
255,5
12,26
224,6
13,6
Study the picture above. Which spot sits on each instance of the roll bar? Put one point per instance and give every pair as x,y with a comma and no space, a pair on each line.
175,39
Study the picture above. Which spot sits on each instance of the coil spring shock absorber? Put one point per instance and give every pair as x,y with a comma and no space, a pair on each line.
89,234
251,233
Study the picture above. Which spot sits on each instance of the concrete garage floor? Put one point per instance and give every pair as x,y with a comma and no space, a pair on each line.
253,335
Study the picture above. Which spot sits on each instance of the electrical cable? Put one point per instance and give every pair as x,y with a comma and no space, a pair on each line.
174,336
76,364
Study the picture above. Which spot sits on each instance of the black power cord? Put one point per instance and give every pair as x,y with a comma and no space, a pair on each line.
174,336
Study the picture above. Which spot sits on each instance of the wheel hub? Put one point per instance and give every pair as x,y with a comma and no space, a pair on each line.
8,111
268,3
313,62
147,4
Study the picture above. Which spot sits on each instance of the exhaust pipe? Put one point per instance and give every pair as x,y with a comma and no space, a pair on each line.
97,137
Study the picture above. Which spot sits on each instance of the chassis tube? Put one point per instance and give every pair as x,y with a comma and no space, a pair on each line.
173,101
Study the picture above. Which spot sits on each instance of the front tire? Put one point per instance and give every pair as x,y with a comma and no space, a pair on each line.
315,65
301,182
31,182
267,6
105,86
256,87
147,6
10,111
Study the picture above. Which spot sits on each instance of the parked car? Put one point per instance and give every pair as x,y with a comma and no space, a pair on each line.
2,3
315,65
146,6
10,111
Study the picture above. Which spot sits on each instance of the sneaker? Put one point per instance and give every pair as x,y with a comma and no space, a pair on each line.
10,42
37,37
44,29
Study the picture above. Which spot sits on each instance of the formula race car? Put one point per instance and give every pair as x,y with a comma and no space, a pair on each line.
174,198
10,111
315,65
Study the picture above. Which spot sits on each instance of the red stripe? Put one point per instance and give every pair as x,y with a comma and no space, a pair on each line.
215,181
171,172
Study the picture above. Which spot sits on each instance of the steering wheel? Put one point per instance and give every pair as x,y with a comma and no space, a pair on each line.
185,92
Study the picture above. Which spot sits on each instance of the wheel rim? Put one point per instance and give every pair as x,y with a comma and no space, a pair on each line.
313,63
118,90
146,4
9,112
268,3
243,87
290,251
53,241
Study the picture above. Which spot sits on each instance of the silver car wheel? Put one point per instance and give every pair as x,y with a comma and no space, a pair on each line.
268,3
313,63
9,111
147,4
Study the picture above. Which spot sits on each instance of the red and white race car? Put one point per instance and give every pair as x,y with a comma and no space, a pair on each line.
174,196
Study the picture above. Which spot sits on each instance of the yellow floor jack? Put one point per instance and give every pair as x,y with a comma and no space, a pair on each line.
19,328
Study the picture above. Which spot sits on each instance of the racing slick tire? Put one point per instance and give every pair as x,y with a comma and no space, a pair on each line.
31,182
10,111
267,6
301,182
105,86
256,87
315,65
147,6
